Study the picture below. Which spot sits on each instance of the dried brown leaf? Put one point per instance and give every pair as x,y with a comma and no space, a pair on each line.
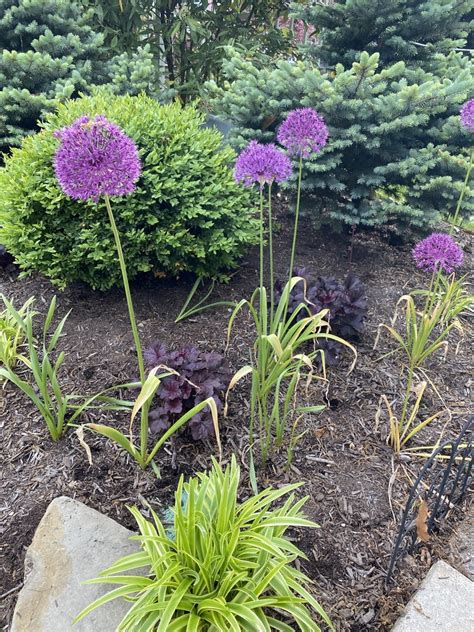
421,519
80,436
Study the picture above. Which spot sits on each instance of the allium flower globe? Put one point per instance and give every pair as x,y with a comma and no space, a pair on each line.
439,251
467,115
262,164
303,132
95,158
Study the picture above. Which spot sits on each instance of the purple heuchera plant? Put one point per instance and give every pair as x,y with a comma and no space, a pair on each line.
95,158
467,115
439,251
261,164
303,132
201,375
346,302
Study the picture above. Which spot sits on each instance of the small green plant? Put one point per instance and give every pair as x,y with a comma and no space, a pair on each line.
425,334
453,297
444,300
12,335
189,310
283,356
425,331
405,427
225,565
57,409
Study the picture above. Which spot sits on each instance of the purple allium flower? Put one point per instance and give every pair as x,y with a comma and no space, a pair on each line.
467,115
95,158
438,252
262,164
303,132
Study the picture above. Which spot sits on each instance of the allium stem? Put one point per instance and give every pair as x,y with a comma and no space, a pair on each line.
464,189
297,214
270,246
261,239
429,294
126,286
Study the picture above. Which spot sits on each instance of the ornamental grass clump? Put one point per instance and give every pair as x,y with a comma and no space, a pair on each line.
58,409
12,334
96,160
225,566
426,330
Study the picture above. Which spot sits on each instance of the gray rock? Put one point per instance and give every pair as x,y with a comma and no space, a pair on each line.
72,543
443,603
462,543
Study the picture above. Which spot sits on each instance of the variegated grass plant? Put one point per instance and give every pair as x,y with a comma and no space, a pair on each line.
225,565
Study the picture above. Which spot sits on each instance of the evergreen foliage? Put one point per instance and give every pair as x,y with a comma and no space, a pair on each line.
399,30
48,53
187,37
396,152
186,214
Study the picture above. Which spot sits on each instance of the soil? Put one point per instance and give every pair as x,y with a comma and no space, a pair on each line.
356,487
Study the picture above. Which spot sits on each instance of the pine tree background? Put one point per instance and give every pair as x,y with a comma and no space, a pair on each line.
397,154
49,51
399,30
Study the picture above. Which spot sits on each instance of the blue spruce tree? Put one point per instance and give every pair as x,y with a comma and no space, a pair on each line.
396,154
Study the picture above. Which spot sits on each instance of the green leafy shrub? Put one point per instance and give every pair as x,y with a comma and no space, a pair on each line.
225,566
187,213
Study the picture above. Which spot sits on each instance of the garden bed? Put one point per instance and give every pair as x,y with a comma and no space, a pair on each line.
356,487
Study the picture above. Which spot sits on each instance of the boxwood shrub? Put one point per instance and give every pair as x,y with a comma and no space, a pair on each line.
187,213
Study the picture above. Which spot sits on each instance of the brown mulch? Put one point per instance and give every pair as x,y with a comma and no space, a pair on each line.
355,485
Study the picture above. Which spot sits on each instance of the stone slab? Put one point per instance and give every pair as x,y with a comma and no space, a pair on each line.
72,543
462,544
443,603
